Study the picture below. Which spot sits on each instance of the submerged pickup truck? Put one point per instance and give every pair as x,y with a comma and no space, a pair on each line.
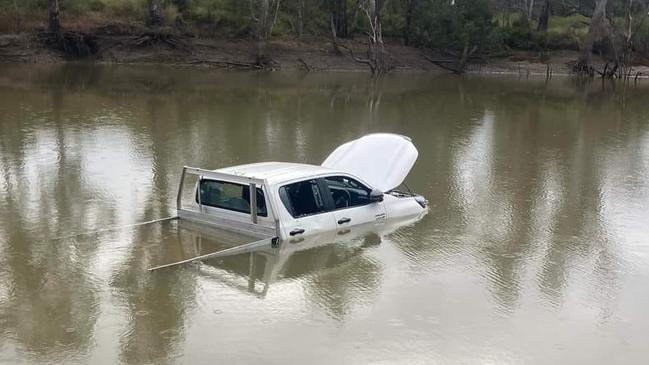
355,185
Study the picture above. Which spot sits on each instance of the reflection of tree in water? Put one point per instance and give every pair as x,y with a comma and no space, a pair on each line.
52,307
47,192
526,191
156,304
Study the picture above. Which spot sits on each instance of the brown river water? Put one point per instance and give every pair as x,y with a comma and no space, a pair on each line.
535,249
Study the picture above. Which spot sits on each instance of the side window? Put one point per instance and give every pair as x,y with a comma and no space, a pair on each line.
230,196
302,198
347,192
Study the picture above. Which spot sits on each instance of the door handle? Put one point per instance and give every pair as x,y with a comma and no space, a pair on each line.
296,231
344,220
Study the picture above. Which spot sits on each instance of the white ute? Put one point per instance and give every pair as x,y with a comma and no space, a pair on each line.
355,185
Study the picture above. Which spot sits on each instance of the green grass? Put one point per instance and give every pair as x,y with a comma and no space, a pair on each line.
504,21
564,32
576,24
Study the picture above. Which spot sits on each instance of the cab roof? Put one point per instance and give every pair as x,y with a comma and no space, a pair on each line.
278,172
381,160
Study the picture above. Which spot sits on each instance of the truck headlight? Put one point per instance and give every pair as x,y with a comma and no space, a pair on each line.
422,201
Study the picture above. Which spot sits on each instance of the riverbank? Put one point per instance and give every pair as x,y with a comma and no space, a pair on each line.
286,54
307,54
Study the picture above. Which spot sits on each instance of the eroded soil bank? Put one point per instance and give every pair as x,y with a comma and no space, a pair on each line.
308,54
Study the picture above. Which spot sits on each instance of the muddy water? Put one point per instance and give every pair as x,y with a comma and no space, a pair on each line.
536,248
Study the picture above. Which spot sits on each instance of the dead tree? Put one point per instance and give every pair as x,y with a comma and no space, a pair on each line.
300,18
467,52
18,25
545,17
334,38
54,20
529,10
377,58
628,37
71,44
264,15
155,18
584,64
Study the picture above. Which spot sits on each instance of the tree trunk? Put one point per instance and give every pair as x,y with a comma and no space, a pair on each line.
545,17
155,17
262,26
380,56
465,56
586,53
463,60
264,16
530,10
377,57
345,19
18,26
407,30
334,38
338,11
53,16
300,18
628,36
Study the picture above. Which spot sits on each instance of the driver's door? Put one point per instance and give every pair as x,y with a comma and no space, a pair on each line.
351,205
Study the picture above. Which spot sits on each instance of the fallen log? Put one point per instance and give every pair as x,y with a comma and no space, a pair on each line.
442,65
225,63
306,65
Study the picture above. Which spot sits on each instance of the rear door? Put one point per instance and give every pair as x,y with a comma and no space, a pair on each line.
349,200
306,209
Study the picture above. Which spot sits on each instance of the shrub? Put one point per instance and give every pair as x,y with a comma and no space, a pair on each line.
446,25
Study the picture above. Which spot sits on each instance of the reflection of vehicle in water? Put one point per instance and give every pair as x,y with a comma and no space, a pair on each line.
253,269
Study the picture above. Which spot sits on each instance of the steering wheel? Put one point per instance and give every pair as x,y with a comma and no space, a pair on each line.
343,199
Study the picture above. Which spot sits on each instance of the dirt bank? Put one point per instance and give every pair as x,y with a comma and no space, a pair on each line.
305,54
287,54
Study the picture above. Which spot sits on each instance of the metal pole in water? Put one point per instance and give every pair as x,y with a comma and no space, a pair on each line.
228,251
116,228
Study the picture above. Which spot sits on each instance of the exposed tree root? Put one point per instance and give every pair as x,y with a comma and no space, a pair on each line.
160,38
267,63
72,44
378,59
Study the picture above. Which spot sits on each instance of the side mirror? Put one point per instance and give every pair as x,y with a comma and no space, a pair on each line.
376,196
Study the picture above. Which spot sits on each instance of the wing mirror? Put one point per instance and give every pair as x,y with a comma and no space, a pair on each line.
376,195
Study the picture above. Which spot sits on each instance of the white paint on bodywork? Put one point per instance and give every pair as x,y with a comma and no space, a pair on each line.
381,159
